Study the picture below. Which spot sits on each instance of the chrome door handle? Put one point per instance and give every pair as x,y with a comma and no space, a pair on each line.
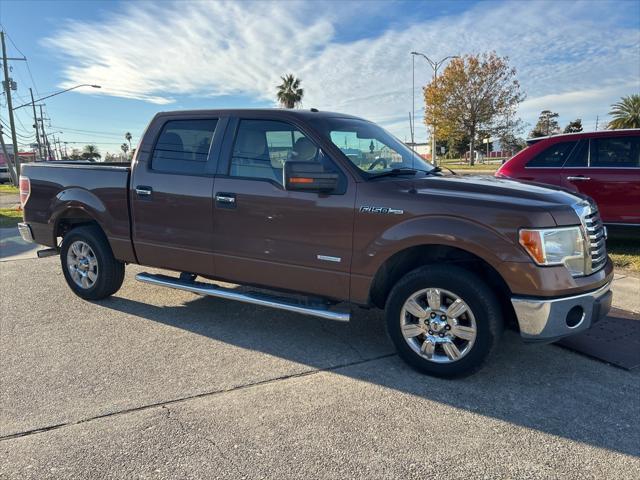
225,199
143,191
578,179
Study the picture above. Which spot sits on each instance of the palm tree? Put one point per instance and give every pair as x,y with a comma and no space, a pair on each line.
626,113
289,91
91,153
125,148
127,137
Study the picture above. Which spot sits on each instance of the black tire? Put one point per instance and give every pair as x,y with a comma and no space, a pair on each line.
469,288
110,272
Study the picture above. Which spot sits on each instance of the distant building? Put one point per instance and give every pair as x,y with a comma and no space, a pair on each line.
422,149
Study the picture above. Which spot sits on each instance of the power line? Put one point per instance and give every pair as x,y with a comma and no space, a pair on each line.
89,131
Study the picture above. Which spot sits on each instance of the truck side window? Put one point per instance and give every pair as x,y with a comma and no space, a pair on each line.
621,152
263,146
553,156
183,146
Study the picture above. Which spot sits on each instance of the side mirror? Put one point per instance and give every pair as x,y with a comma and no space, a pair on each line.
309,176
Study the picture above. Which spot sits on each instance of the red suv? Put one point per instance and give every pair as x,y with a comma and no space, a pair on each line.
604,165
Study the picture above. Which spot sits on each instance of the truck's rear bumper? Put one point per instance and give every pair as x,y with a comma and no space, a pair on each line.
546,320
25,232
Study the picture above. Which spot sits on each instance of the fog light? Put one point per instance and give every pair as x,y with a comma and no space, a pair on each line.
575,316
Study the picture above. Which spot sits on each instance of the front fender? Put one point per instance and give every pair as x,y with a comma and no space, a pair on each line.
490,245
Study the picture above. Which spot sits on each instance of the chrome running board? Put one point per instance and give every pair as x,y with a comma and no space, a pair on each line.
254,298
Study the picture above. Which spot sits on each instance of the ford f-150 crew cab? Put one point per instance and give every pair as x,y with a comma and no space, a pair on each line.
322,211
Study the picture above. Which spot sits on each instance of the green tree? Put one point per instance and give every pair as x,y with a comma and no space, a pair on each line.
626,113
474,93
75,154
289,92
574,127
127,137
547,125
91,153
125,148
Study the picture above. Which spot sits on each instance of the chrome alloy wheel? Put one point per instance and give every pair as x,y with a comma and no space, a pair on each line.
438,325
82,264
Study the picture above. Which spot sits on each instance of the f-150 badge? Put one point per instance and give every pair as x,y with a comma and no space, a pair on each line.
391,211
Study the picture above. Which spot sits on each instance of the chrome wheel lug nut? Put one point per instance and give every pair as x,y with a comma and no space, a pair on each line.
430,332
443,317
447,327
442,335
433,315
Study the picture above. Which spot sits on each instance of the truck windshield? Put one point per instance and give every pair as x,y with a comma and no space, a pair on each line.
371,148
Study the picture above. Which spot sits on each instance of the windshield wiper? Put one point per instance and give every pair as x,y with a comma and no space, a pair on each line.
394,172
438,169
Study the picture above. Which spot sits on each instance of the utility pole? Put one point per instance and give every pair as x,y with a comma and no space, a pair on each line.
35,123
12,122
597,118
45,139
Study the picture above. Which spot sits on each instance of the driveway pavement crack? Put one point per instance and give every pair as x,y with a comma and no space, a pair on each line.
186,431
192,397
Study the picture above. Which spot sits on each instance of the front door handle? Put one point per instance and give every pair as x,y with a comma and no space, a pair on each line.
578,178
143,191
226,200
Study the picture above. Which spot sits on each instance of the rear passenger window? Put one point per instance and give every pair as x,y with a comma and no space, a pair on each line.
553,156
263,146
183,146
621,152
580,155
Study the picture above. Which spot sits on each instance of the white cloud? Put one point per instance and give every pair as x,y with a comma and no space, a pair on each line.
571,57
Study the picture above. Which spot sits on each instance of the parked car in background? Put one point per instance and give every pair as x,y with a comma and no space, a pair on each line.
604,165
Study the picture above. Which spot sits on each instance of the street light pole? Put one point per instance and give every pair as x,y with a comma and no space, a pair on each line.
413,98
57,93
434,66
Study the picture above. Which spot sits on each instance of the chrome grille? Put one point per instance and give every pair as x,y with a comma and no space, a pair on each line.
596,237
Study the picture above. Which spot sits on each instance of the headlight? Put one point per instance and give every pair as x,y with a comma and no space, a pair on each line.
556,246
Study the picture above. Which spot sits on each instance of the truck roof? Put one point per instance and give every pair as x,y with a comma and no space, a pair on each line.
277,112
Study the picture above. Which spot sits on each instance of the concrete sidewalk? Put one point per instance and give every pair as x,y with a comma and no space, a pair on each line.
626,291
12,247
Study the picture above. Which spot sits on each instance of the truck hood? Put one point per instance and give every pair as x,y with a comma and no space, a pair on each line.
501,193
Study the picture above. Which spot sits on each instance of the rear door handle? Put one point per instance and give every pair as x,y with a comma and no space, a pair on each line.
578,178
143,191
226,200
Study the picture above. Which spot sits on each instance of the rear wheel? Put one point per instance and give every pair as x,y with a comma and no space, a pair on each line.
443,320
88,264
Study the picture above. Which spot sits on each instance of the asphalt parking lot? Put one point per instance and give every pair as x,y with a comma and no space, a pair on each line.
156,383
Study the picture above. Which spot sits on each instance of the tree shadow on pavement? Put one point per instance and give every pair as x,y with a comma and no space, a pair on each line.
542,387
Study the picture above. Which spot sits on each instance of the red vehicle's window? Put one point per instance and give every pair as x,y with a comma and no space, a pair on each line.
580,155
553,156
621,152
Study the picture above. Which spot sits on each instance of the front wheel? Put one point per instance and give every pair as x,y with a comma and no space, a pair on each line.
88,264
443,320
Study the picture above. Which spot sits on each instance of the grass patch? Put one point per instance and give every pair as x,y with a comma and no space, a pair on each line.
624,253
6,188
9,217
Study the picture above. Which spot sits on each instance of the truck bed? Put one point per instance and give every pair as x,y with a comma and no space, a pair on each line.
84,192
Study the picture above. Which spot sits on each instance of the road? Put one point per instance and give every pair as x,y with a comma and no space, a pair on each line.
157,383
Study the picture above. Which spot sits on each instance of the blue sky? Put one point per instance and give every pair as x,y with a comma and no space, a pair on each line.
575,58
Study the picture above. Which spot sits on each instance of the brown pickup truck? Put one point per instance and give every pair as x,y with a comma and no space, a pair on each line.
320,211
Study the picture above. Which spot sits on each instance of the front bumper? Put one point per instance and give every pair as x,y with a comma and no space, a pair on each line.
547,320
25,232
